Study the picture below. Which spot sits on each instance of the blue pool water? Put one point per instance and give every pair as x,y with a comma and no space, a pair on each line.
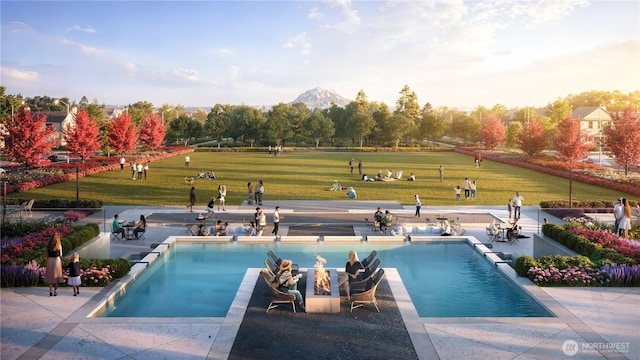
445,279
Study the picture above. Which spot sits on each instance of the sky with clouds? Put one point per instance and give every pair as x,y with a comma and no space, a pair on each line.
199,53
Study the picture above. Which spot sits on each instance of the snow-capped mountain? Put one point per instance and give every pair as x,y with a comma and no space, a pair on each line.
319,98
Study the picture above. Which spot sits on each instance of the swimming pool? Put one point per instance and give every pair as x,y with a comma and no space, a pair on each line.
444,279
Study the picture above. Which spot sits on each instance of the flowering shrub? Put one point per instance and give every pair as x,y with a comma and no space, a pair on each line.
75,215
583,222
21,275
628,248
572,276
623,275
17,248
96,277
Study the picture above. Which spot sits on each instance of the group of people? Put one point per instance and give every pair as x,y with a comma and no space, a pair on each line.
138,170
622,214
254,194
382,221
514,205
352,164
470,190
220,229
276,150
117,227
53,275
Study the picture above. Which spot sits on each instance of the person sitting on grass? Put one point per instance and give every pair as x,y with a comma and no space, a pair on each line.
335,186
352,193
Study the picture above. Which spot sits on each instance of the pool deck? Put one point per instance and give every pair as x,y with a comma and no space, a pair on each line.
36,326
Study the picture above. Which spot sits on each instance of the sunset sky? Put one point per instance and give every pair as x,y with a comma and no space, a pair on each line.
199,53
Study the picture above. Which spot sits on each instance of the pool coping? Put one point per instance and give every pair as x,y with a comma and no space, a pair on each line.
228,326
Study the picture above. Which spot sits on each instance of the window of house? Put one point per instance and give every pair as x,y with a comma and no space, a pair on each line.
590,124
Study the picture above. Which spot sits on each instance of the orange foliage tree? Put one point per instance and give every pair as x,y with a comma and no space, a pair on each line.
533,139
492,132
623,138
123,134
29,137
83,139
152,133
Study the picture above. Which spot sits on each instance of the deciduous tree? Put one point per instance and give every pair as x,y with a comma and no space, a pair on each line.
29,137
83,138
152,132
123,134
571,144
623,137
492,132
318,127
532,138
218,122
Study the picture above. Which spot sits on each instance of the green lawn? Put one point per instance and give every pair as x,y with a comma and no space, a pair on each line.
308,175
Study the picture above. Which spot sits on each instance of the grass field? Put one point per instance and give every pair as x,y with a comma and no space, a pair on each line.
308,175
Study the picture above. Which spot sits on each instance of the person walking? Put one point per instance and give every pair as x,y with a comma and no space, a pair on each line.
473,189
351,163
192,198
187,160
418,205
74,274
53,271
441,170
276,221
122,161
467,188
517,203
359,167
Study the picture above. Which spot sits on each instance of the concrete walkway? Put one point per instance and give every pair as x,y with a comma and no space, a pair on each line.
591,323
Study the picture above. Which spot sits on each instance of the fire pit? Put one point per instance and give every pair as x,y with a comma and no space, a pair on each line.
322,294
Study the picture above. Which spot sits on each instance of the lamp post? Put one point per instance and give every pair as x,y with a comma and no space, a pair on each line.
600,147
63,103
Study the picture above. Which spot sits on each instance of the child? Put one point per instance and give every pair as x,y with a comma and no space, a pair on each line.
74,274
458,190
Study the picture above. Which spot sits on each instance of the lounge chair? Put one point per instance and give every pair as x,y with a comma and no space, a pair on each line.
193,230
369,272
369,258
276,260
271,267
278,297
368,296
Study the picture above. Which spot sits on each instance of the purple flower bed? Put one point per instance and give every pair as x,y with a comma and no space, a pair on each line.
623,275
21,275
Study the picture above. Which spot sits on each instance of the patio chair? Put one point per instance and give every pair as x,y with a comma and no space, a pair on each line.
271,267
26,208
192,230
369,258
369,272
276,260
116,235
278,297
368,296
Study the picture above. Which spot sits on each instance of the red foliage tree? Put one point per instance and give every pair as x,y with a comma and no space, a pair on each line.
83,139
623,138
533,138
29,137
492,132
570,143
123,134
153,132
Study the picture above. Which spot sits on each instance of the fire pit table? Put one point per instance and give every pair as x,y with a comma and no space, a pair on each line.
317,298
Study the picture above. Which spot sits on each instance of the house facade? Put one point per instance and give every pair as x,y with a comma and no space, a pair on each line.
593,119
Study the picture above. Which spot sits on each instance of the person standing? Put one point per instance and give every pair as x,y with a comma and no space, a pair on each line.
53,271
351,163
122,161
510,207
74,274
418,205
517,203
457,189
187,160
261,221
249,194
134,168
222,195
467,188
359,167
259,192
192,198
146,169
618,213
473,189
276,221
441,173
625,222
140,170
